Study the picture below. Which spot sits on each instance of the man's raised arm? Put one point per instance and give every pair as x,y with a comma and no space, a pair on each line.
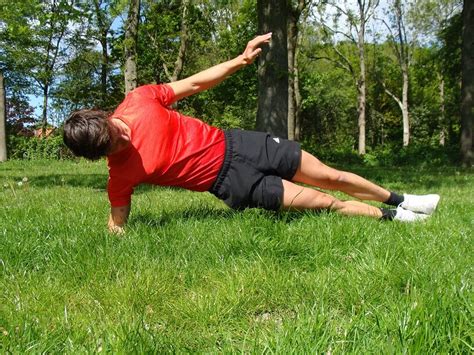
214,75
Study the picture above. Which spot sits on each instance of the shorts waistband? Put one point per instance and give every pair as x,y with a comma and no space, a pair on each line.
229,150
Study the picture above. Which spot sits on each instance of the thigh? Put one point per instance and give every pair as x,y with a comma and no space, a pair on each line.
313,172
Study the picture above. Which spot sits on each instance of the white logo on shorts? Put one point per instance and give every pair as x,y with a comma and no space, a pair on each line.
277,140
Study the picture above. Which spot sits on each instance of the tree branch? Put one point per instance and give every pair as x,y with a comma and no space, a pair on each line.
397,100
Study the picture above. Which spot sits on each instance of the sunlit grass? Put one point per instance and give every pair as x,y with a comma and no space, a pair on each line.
191,275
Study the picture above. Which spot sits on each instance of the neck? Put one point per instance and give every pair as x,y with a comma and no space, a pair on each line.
120,135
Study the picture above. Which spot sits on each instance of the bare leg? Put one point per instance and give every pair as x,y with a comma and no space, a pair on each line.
313,172
301,198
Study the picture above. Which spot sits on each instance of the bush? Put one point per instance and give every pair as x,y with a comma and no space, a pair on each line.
37,148
419,155
413,155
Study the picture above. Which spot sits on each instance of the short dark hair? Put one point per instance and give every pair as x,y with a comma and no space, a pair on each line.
87,134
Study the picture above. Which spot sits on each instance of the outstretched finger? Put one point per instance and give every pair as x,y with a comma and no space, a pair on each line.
261,39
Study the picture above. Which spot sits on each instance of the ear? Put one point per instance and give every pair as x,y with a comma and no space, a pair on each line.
124,137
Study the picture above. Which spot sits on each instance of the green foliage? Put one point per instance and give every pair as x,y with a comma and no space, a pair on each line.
32,148
421,155
31,36
232,103
84,75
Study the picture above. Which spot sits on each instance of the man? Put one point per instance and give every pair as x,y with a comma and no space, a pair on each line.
146,142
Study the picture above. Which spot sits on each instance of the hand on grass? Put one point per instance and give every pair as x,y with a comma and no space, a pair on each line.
253,49
115,229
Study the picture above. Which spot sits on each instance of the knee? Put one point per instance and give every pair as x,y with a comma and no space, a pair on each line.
338,177
330,203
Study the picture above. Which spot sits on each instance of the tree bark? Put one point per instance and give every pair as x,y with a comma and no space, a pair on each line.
405,115
179,64
361,83
272,110
104,66
442,108
44,124
293,82
3,131
292,37
131,31
298,101
467,88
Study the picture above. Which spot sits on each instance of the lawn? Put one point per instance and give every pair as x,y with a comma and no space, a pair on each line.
191,275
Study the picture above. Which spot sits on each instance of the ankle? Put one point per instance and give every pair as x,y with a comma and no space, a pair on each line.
394,199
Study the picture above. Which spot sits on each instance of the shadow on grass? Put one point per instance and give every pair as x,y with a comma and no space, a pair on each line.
94,181
156,220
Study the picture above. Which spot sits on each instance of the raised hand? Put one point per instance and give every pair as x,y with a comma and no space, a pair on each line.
253,49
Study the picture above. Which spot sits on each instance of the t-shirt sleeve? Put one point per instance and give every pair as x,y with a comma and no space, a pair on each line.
163,93
119,191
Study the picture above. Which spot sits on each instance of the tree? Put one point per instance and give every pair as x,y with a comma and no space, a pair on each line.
130,44
467,89
91,75
272,110
179,64
3,133
294,95
433,18
217,33
103,15
356,22
402,49
33,35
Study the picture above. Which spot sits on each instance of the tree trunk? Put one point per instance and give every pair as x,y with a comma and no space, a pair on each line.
298,101
3,131
406,119
131,46
272,110
292,38
294,94
442,118
361,83
103,26
467,89
104,66
179,64
44,115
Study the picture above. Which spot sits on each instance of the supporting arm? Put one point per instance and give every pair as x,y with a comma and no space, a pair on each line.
118,218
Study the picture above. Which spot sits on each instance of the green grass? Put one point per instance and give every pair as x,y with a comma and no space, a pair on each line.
190,275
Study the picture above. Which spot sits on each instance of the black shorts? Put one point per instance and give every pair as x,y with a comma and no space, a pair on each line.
254,165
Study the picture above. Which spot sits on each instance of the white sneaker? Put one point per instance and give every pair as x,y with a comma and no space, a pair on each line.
409,216
420,203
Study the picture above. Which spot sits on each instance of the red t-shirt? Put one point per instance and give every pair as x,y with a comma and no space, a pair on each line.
166,148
